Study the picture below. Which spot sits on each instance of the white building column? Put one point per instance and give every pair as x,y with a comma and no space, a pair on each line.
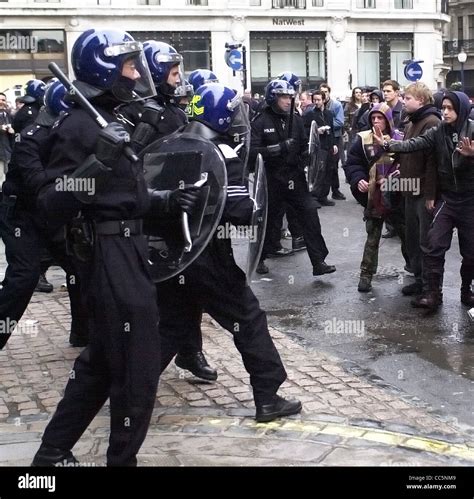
428,47
341,56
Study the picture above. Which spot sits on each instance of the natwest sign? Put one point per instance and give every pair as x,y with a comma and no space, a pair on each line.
288,21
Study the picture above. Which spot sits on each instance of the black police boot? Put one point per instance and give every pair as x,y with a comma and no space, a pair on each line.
322,268
197,364
280,407
298,244
43,285
262,268
48,456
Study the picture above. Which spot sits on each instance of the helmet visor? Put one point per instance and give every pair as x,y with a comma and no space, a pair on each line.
136,82
184,90
284,91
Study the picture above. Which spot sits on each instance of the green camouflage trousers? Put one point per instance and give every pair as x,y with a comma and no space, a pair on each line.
373,227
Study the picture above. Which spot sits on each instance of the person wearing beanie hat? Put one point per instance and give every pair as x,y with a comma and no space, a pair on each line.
371,173
452,143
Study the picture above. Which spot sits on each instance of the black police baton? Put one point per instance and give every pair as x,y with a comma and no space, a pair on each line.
290,121
86,105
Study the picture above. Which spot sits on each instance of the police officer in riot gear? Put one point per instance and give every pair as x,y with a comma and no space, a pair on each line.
25,233
201,76
120,362
214,283
33,100
284,163
164,63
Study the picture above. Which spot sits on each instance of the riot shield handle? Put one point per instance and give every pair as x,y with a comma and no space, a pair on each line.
188,246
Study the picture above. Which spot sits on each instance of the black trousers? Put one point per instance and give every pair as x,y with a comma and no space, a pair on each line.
25,246
333,164
323,175
417,224
216,285
448,216
291,188
122,359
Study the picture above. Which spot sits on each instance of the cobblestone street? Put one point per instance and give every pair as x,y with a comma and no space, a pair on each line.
346,420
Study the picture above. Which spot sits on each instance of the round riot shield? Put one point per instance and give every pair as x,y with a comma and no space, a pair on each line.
173,162
258,224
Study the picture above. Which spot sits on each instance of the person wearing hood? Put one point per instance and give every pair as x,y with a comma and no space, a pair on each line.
452,143
418,180
375,97
370,172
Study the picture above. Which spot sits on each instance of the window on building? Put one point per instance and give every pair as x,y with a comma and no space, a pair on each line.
103,2
255,3
285,54
30,51
365,4
368,61
148,2
444,6
460,28
471,28
318,3
296,4
194,46
195,54
404,4
49,42
316,59
400,50
272,53
381,56
202,3
259,62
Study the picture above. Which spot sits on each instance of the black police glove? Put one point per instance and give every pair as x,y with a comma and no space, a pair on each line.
284,147
289,146
110,144
184,199
152,113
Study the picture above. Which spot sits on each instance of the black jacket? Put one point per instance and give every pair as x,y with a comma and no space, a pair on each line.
25,116
270,128
455,172
322,118
72,140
